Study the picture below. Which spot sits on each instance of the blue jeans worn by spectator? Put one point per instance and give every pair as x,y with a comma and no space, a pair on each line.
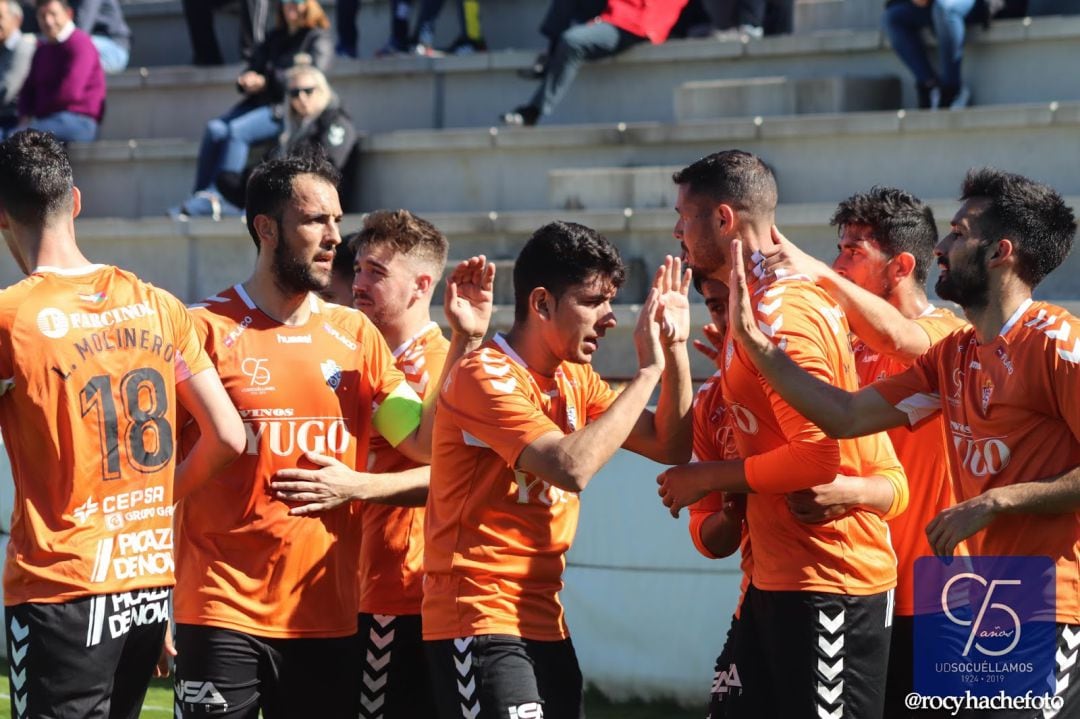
348,42
228,139
67,126
591,41
904,21
114,56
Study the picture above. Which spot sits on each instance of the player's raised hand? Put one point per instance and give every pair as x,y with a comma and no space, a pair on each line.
469,299
647,333
741,321
714,345
673,285
785,260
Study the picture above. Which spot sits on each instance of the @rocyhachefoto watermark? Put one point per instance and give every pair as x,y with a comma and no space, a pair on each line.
970,702
984,627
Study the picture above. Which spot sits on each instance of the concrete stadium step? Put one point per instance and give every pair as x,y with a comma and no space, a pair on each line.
161,34
507,170
769,96
1015,61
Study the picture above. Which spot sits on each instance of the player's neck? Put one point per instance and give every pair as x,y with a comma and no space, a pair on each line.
755,237
277,303
1004,301
405,327
531,348
910,302
47,247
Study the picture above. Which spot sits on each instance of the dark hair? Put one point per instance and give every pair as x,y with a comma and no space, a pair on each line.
560,255
38,4
35,177
1032,215
405,234
733,177
900,222
270,186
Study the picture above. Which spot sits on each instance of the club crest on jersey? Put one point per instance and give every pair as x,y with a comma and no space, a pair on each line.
987,390
331,372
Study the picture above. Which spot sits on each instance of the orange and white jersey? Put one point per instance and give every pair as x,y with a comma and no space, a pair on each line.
392,549
922,453
242,562
89,363
495,537
784,452
1012,413
714,440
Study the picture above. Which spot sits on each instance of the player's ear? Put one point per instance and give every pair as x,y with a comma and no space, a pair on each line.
424,284
1000,251
267,229
903,265
76,202
541,303
725,215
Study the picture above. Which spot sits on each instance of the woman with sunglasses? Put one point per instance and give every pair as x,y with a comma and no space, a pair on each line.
302,32
315,123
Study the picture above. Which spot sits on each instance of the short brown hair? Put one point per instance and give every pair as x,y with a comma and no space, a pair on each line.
406,234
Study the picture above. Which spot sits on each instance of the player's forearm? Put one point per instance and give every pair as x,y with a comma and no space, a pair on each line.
582,453
408,488
875,493
1055,495
208,457
876,322
721,533
673,422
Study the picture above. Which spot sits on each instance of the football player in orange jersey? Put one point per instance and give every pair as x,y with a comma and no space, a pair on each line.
523,425
886,244
92,364
813,633
1008,386
267,605
398,260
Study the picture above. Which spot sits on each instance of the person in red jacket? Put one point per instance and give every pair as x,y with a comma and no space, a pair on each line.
623,23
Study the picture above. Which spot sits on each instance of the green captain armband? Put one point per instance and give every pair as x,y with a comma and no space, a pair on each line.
398,415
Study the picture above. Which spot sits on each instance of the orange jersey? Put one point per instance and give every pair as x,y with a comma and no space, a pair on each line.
89,362
922,454
714,440
784,452
1012,410
495,537
242,562
392,549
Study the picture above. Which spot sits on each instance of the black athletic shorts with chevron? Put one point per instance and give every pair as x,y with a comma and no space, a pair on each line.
394,678
498,676
223,673
811,654
726,678
90,657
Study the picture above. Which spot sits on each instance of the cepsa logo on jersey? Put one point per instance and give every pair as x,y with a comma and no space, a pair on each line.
55,324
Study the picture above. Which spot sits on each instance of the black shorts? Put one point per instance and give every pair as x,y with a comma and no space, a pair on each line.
394,678
224,673
91,657
497,676
811,654
726,679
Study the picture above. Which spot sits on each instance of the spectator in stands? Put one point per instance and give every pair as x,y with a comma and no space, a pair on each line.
65,91
16,53
750,19
470,38
561,15
199,14
904,21
623,23
315,123
302,32
103,21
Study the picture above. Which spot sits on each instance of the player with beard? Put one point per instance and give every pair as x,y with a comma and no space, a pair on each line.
1008,387
266,609
399,259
